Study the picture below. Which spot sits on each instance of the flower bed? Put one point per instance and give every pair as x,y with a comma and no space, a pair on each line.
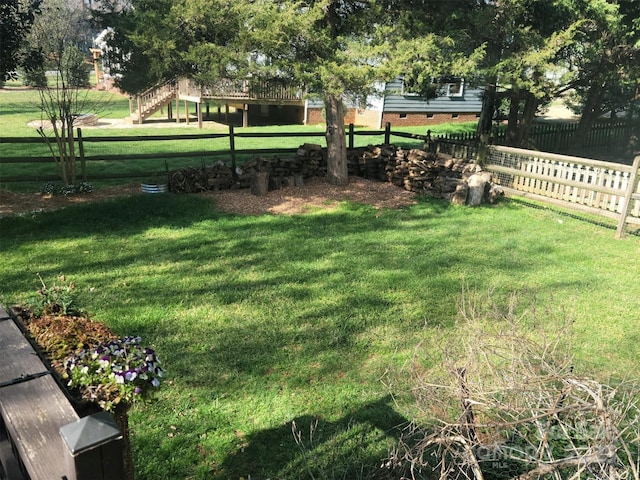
101,370
119,371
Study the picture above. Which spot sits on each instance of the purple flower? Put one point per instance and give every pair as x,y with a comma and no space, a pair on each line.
122,363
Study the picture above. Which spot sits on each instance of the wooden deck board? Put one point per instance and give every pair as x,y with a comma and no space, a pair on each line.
32,406
17,356
33,412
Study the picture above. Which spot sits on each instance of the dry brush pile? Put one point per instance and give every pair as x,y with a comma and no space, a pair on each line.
503,400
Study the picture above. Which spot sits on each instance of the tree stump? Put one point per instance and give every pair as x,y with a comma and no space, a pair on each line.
479,185
260,183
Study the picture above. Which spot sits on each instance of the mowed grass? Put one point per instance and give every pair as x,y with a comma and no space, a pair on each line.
266,320
262,321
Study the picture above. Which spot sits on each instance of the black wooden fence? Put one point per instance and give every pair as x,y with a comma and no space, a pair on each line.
192,148
607,141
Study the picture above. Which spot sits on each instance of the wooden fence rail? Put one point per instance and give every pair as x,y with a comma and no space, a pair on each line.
591,186
132,152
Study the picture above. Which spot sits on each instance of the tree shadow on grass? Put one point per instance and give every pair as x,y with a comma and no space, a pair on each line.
354,447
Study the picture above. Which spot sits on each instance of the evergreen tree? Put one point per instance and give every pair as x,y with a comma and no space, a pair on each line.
607,65
16,18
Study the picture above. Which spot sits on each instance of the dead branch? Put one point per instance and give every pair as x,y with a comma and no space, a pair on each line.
506,386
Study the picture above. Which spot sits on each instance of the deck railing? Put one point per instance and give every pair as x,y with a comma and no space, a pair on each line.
243,89
147,102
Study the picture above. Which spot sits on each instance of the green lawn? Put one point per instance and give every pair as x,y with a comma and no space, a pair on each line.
265,320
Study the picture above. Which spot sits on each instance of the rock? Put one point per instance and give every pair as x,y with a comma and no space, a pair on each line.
495,193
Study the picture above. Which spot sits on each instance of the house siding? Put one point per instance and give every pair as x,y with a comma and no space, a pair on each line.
408,110
394,102
418,119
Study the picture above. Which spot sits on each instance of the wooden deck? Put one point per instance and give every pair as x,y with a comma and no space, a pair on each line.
242,91
236,93
32,409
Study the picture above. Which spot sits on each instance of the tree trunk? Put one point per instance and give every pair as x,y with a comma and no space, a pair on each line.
488,108
71,158
337,173
592,109
260,183
526,121
511,137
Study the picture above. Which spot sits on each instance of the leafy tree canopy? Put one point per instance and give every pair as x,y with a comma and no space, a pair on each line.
16,18
525,50
337,49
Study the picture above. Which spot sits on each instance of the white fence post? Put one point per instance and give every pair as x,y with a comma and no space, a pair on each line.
628,197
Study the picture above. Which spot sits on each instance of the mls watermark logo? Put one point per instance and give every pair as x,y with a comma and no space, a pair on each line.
547,440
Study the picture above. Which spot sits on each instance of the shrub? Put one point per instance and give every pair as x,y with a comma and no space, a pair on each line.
58,299
75,66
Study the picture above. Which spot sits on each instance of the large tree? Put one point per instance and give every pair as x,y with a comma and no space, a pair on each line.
526,42
152,42
539,49
335,49
340,50
607,65
16,18
330,47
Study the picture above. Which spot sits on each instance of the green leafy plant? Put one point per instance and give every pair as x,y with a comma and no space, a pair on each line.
75,63
52,188
121,371
57,299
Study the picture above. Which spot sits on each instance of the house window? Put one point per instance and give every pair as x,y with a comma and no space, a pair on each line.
429,115
446,86
403,115
454,88
405,91
454,115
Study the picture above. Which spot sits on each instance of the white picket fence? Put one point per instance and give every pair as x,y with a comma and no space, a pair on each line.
591,186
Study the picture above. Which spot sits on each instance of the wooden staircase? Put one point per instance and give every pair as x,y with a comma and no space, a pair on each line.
144,105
